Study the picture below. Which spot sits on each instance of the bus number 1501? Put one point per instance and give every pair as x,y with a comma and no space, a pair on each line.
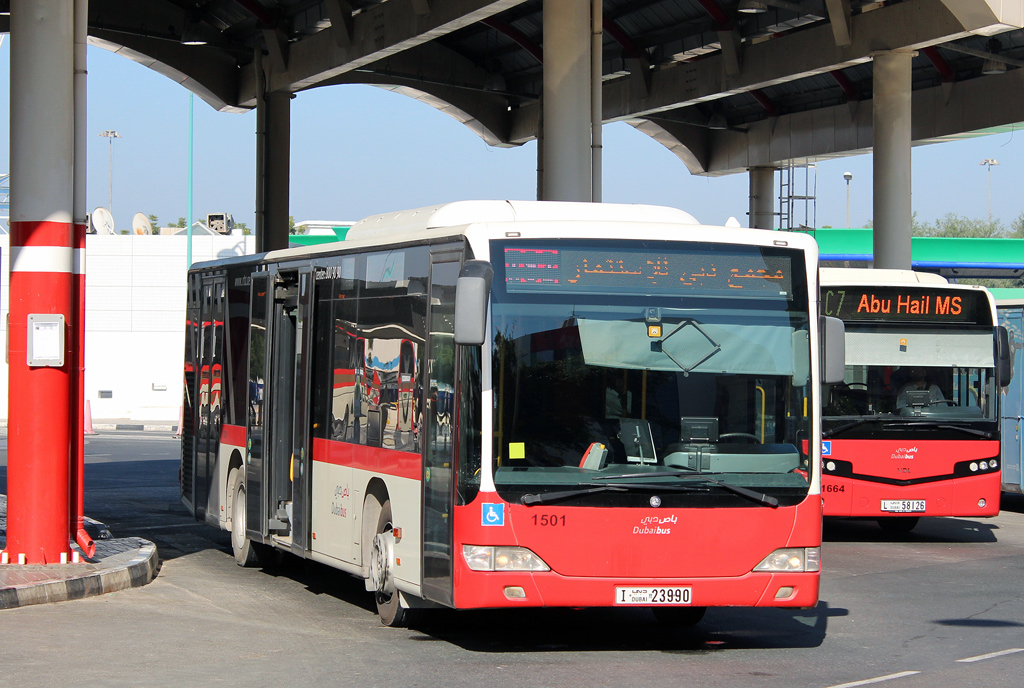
548,520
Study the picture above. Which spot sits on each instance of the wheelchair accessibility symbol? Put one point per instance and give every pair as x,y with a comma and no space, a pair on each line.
492,515
826,447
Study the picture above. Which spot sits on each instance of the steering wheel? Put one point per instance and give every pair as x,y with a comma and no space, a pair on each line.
858,385
742,435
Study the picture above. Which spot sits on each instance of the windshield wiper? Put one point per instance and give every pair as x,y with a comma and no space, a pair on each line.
541,498
847,426
893,422
946,426
531,499
753,495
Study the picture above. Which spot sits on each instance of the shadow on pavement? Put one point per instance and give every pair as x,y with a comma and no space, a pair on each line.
927,530
979,623
607,630
1012,502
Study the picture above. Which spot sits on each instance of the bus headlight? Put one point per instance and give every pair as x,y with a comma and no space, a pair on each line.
792,559
484,558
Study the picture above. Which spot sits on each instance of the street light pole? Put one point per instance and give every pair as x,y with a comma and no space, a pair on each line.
989,162
110,135
847,176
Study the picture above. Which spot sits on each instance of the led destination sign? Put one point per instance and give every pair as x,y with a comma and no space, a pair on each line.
604,270
898,304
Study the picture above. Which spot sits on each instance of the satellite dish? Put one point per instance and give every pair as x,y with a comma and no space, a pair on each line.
102,221
141,224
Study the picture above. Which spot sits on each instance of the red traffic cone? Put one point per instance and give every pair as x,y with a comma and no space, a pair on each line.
87,423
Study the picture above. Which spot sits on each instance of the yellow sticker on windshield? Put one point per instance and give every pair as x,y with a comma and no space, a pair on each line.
516,450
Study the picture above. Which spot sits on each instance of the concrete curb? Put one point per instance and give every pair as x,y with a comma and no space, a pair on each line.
145,427
139,568
158,426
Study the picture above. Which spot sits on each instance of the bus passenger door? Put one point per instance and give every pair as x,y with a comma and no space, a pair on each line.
258,389
300,454
1012,406
438,429
211,362
278,425
190,400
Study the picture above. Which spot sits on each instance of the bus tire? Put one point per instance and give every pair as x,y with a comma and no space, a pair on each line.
247,552
382,572
679,616
898,525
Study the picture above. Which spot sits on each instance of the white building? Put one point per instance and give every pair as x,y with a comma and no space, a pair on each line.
134,321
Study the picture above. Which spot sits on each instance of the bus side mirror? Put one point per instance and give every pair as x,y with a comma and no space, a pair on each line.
471,292
1004,359
833,355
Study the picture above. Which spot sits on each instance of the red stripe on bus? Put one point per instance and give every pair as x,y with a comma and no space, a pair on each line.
233,435
374,459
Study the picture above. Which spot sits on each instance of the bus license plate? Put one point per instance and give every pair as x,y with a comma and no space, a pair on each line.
902,506
652,596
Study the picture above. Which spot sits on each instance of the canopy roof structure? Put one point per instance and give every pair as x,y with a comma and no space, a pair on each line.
725,84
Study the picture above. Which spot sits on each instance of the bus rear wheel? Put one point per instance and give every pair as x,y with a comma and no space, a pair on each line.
898,525
382,572
247,552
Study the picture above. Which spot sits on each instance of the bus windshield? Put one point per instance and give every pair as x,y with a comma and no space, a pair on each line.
651,380
903,375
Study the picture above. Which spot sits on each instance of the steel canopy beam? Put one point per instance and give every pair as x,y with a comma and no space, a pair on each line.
377,32
206,71
912,24
938,113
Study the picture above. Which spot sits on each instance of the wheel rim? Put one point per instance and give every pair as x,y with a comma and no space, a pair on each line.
381,563
238,519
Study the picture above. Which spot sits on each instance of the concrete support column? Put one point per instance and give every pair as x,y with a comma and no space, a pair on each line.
42,155
76,343
565,147
273,157
276,174
762,197
891,159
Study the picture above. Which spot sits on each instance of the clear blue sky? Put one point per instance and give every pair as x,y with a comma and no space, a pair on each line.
359,150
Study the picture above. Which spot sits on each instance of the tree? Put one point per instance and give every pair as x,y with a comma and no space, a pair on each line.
244,227
179,223
958,226
1017,227
154,222
291,226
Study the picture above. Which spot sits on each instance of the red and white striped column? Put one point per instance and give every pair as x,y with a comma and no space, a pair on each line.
42,154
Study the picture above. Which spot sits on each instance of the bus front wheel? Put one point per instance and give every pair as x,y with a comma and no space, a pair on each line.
898,525
679,616
382,572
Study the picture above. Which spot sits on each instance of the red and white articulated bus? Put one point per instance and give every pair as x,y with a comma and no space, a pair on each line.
913,429
504,404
